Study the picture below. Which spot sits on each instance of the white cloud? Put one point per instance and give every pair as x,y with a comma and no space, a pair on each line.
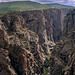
12,0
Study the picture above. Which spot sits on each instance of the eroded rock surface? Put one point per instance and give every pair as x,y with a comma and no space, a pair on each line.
24,52
62,61
28,36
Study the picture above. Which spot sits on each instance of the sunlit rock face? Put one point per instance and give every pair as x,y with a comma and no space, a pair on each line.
21,46
28,36
62,61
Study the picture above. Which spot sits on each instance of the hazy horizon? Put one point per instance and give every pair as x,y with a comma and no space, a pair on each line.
66,2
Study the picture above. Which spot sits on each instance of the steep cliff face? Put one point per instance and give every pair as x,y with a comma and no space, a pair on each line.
69,24
20,47
28,36
62,61
58,16
47,24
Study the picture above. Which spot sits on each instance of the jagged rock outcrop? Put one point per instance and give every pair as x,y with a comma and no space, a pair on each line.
28,36
47,24
24,52
62,61
5,62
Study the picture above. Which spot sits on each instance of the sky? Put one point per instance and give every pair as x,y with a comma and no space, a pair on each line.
67,2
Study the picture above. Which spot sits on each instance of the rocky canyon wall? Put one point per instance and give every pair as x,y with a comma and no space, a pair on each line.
26,38
47,24
62,60
69,23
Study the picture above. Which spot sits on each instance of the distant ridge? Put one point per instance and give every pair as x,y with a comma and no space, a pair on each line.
26,5
20,5
58,5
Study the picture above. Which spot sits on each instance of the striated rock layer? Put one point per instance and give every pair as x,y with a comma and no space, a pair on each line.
62,61
20,50
47,24
25,39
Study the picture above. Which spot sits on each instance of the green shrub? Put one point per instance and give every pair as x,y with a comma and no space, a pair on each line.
50,52
62,72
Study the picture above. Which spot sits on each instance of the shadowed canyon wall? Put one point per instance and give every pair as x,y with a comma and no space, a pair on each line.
62,61
27,37
47,24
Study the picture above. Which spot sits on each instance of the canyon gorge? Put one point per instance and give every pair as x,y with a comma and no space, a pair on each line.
30,39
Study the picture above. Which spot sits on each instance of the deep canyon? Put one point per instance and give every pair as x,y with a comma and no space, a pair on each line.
29,38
